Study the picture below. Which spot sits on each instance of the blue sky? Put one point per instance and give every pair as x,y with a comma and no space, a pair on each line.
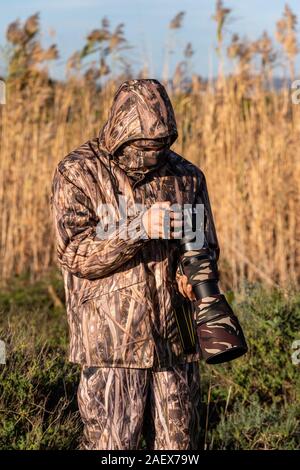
146,24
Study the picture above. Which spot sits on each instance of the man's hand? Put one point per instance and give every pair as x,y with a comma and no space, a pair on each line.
184,288
160,220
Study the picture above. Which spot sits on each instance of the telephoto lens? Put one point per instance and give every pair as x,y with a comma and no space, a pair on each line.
220,334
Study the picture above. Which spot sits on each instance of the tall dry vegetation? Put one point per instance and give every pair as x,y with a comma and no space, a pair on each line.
240,129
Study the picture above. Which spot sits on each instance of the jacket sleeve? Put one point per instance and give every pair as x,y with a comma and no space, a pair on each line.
80,250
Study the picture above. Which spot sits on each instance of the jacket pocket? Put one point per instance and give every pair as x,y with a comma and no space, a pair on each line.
116,324
111,283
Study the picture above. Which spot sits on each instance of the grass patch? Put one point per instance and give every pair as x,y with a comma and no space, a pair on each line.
250,403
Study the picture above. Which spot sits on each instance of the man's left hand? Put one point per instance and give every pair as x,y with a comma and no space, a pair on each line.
184,287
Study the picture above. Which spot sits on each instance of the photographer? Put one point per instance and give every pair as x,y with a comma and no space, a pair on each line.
136,377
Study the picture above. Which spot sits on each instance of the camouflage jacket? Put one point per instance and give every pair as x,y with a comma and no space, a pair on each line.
120,289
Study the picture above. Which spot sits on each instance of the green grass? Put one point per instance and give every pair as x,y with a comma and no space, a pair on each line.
38,408
250,403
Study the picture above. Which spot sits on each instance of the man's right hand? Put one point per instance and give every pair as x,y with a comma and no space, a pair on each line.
156,222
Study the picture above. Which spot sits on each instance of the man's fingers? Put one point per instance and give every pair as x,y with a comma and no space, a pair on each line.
184,288
163,221
176,215
182,282
180,287
163,205
190,292
176,223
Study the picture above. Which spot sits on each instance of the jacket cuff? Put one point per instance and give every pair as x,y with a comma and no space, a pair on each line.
136,229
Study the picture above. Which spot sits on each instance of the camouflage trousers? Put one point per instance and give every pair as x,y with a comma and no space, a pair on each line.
119,406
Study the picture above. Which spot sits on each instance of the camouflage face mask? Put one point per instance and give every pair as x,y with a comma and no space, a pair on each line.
142,155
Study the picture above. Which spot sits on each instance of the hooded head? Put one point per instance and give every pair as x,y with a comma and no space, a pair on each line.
141,126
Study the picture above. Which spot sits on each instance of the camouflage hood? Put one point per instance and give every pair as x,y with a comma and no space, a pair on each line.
141,109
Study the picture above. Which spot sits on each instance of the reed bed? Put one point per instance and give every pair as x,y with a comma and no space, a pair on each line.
239,129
